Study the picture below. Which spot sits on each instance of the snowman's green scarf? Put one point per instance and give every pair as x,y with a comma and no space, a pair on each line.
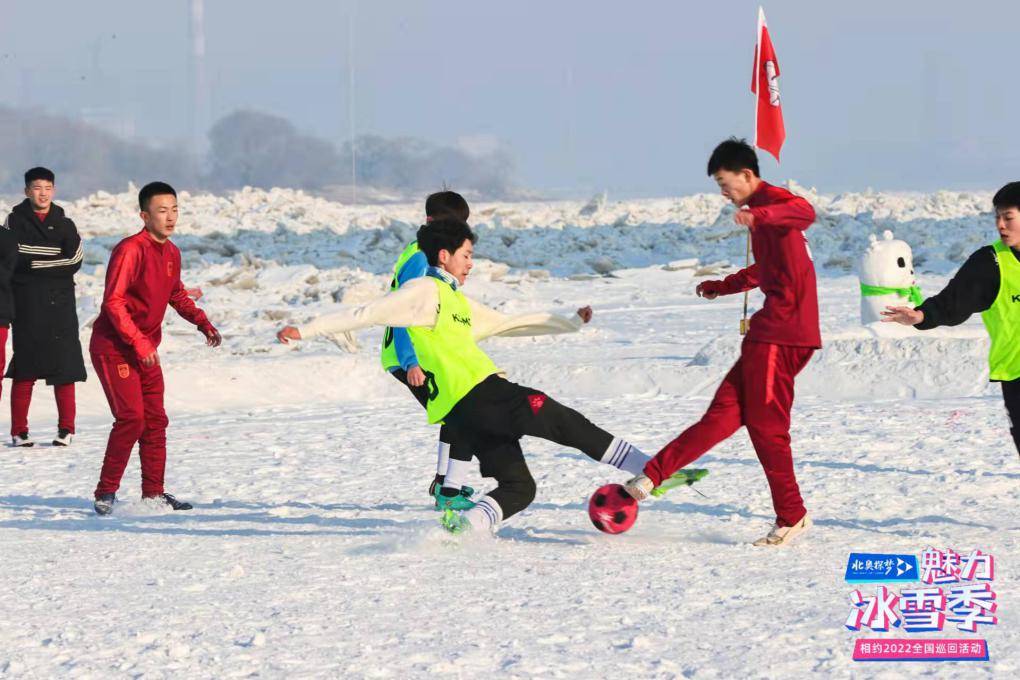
913,293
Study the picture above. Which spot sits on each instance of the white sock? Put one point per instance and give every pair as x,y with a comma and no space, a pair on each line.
485,515
443,458
456,473
623,455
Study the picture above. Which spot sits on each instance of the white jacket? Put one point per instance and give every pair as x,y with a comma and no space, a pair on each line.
416,303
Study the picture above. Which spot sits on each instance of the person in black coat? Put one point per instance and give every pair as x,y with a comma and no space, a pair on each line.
8,261
45,326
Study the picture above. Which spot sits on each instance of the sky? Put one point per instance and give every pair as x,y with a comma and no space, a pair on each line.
587,96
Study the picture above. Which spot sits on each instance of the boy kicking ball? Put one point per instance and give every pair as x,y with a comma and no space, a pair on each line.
465,388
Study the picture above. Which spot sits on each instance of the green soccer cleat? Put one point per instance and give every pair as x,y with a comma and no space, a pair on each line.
454,522
460,502
681,478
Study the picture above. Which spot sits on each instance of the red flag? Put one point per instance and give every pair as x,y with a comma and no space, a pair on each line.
769,132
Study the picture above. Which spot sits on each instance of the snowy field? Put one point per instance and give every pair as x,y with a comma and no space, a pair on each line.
313,550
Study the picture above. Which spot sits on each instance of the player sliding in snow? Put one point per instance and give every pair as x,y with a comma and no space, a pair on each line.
989,283
758,390
399,358
465,388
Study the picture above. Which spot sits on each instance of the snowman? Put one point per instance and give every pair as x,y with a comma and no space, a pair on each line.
887,279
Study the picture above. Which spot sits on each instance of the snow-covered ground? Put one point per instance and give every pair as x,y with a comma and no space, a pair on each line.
312,551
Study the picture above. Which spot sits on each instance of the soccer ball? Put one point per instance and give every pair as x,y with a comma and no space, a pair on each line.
612,510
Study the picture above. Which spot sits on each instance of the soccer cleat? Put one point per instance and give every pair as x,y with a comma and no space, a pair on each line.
461,501
63,437
454,522
22,439
169,501
783,535
103,505
685,477
640,487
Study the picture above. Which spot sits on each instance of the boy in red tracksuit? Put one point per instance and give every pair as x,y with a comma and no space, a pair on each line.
758,391
144,276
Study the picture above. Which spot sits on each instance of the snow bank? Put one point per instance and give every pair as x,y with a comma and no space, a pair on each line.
563,237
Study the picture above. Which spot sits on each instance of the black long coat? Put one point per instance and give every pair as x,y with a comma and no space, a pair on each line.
45,327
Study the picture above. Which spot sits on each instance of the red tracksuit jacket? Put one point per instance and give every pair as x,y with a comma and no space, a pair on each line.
143,277
782,269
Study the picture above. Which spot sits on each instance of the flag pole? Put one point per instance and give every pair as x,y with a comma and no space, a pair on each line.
744,323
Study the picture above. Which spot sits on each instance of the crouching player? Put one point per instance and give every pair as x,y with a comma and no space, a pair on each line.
465,388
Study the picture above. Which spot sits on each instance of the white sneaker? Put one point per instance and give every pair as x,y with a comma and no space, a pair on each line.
640,488
63,438
22,439
783,535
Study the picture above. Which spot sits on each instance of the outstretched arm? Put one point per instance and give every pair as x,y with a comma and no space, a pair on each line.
972,290
415,304
487,322
745,279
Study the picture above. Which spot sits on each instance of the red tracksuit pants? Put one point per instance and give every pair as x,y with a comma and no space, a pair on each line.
21,396
4,330
21,399
758,394
135,394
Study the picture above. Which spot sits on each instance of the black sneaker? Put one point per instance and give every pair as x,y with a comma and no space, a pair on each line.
169,501
63,437
22,439
104,504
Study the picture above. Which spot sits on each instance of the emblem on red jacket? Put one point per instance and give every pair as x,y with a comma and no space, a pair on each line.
123,370
170,269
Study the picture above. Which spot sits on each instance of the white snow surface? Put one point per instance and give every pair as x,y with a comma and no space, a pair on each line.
313,552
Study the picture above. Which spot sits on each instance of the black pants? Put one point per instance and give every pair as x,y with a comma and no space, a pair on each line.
1011,395
497,413
447,434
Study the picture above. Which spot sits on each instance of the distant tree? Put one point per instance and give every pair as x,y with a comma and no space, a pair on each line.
411,164
84,157
261,150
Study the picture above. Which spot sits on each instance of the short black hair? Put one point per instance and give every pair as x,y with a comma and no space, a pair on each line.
154,189
446,233
447,203
734,155
39,173
1007,197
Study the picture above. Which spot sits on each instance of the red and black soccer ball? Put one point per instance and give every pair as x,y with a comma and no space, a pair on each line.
612,510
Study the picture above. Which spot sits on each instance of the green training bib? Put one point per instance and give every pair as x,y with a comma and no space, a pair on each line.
1002,319
452,362
388,355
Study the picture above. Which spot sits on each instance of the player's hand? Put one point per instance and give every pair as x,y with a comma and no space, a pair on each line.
744,218
212,336
585,313
708,290
416,376
908,316
288,333
151,360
